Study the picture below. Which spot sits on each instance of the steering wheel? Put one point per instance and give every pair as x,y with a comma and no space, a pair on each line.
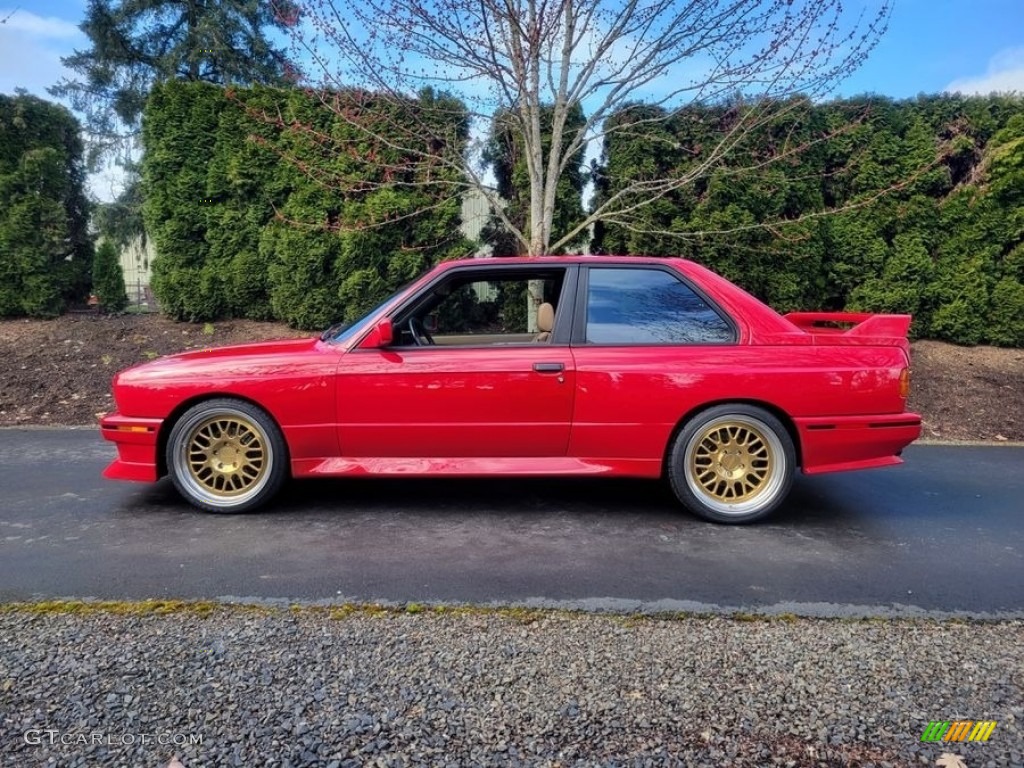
419,333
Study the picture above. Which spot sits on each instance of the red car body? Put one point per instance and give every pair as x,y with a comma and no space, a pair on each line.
363,406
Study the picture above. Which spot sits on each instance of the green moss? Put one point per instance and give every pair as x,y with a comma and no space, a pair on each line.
516,614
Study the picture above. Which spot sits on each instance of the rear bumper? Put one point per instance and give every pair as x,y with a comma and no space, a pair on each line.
839,444
136,441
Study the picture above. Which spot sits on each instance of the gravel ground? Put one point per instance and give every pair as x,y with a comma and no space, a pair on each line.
316,688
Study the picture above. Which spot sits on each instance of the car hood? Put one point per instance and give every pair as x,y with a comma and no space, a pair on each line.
231,361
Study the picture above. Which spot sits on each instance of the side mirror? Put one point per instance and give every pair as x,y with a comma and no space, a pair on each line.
382,335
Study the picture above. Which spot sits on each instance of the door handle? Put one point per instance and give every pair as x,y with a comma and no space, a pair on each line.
548,367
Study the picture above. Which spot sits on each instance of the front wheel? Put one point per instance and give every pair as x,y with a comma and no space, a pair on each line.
226,455
732,463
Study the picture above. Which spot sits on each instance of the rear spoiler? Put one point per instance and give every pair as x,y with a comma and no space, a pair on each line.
863,323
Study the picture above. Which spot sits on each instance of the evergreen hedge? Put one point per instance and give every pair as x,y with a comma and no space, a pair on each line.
253,199
45,250
946,243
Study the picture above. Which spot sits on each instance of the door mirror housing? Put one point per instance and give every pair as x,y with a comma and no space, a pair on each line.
382,335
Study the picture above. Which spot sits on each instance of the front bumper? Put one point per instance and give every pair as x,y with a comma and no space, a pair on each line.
837,444
136,441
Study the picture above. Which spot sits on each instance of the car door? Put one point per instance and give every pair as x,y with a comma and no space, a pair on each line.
502,393
648,347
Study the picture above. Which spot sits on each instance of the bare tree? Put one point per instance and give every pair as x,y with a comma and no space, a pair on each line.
521,57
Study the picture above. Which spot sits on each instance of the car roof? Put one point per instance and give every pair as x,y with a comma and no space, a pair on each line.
567,259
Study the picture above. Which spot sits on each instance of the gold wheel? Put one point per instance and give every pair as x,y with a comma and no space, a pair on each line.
732,461
226,455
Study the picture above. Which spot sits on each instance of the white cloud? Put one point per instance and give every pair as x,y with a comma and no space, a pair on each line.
27,23
1005,74
30,50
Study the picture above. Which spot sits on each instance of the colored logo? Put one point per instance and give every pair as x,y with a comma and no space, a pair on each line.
958,730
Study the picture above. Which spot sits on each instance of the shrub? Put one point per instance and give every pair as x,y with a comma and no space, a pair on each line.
108,278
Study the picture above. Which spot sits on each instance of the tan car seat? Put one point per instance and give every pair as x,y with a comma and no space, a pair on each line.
545,322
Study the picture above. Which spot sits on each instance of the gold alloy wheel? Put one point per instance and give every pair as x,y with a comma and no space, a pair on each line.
732,462
226,455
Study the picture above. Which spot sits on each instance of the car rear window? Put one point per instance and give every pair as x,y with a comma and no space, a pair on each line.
649,306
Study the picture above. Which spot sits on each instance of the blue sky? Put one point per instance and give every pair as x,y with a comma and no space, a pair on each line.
931,45
974,46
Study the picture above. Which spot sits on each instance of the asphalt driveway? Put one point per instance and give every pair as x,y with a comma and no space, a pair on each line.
942,534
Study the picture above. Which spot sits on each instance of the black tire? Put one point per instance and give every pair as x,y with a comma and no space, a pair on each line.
732,463
226,455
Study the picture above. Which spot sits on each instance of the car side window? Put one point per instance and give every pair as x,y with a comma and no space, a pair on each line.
495,309
649,306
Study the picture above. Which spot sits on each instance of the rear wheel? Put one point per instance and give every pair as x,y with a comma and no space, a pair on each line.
226,455
732,463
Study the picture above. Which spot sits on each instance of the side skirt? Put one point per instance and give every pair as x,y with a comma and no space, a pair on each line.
475,467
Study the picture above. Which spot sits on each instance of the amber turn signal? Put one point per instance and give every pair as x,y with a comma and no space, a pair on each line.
905,383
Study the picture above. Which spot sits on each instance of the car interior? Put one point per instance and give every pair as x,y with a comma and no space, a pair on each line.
506,308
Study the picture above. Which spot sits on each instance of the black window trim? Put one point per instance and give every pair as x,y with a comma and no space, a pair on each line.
560,336
579,325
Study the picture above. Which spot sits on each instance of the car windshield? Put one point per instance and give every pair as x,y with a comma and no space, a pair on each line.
341,332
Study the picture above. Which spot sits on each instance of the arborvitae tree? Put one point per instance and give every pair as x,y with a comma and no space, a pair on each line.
108,278
244,228
903,284
1006,314
45,251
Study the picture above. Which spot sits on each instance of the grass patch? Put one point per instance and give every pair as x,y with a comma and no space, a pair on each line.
201,608
372,610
